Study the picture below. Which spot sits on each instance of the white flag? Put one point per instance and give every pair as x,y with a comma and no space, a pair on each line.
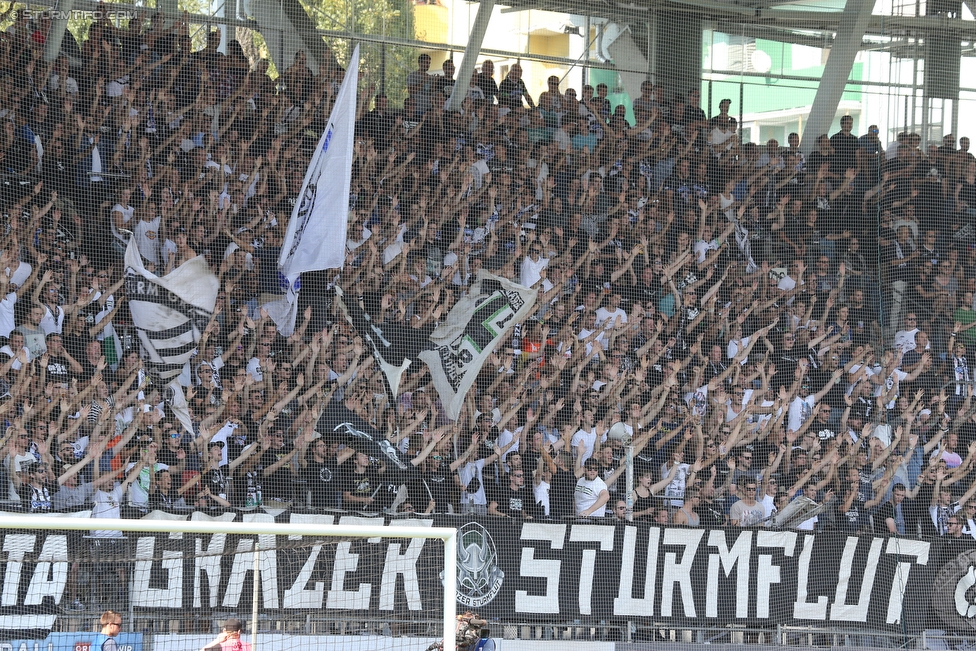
169,312
316,236
475,325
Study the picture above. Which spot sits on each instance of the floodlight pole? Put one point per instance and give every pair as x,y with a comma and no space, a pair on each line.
55,34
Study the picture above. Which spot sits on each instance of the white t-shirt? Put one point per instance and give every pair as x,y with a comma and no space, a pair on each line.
146,234
588,439
505,438
735,345
541,494
584,333
532,271
8,351
905,339
254,368
127,213
468,472
587,494
7,322
786,284
701,249
608,318
800,411
479,170
675,491
107,504
51,321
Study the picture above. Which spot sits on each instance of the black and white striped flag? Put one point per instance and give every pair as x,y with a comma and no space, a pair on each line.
170,312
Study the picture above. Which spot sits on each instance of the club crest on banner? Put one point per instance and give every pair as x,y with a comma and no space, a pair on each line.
954,592
479,578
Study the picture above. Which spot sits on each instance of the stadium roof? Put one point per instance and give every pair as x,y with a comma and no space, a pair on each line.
799,21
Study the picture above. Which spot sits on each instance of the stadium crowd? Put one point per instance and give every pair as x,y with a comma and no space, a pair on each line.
764,324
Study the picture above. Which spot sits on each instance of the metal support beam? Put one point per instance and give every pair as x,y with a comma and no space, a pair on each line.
853,23
170,9
475,39
55,35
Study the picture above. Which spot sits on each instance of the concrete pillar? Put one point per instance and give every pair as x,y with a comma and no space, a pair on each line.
170,9
847,42
287,28
475,39
677,51
55,35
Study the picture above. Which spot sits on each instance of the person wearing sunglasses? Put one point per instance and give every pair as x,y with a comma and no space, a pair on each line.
111,623
517,500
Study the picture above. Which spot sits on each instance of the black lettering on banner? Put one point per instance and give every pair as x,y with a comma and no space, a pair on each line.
304,214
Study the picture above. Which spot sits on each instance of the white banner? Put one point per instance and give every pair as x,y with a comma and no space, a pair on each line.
461,344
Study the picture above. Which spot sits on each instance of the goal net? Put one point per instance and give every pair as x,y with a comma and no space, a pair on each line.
314,581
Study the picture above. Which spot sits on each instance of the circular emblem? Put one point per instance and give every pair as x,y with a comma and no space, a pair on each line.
954,592
479,579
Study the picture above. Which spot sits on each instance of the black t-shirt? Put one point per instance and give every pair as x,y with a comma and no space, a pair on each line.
277,485
488,86
58,369
712,514
511,92
217,480
816,160
835,396
76,345
381,487
364,484
562,490
786,362
900,270
845,152
515,504
237,441
856,518
322,482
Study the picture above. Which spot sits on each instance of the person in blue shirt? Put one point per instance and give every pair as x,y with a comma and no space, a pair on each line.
111,623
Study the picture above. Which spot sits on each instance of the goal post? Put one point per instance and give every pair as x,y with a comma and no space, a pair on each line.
36,557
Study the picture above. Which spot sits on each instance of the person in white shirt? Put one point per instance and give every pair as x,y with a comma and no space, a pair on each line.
591,494
585,439
533,265
611,314
905,338
471,470
15,344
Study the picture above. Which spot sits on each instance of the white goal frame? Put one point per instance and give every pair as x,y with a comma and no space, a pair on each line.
448,535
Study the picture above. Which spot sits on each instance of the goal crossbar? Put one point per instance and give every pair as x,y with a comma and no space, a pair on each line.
448,535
